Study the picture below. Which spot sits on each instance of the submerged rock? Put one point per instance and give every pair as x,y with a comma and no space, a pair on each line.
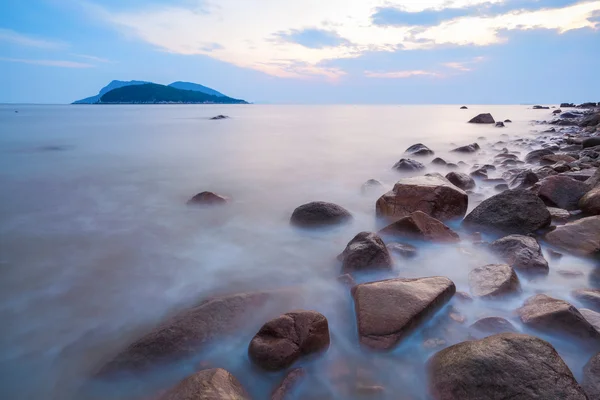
406,164
507,121
562,192
500,124
591,378
580,237
512,211
493,281
287,338
370,185
470,148
541,108
421,226
592,317
220,117
464,108
439,161
366,251
419,149
207,198
504,366
463,181
319,213
208,384
433,194
387,311
483,119
402,249
290,381
523,253
493,325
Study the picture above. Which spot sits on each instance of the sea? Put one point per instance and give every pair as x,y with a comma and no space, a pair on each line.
98,246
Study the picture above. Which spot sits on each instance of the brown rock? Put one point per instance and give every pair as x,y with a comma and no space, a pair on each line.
366,251
386,311
555,158
580,237
553,315
319,213
589,297
536,155
523,253
558,214
592,317
209,384
291,380
494,280
421,226
562,192
500,367
207,198
285,339
590,202
402,249
493,325
460,180
433,194
591,378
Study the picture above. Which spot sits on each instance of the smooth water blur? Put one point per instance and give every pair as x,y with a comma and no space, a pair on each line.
97,244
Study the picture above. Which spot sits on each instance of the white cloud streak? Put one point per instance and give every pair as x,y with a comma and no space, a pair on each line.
92,58
19,39
49,63
400,74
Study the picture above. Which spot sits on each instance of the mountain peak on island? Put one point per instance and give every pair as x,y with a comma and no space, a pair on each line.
196,88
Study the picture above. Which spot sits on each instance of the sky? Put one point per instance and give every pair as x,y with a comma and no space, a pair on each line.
306,51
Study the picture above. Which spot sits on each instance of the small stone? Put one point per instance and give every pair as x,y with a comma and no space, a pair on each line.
493,281
207,198
421,226
366,251
493,325
555,255
319,213
408,165
419,149
471,148
209,384
483,119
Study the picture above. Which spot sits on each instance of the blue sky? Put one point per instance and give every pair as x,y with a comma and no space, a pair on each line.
306,51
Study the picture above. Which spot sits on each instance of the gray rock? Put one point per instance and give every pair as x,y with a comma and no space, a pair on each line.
483,119
523,180
493,281
470,148
406,164
536,155
366,251
591,378
290,381
558,214
370,185
207,199
461,180
562,192
523,253
319,213
403,249
419,149
589,297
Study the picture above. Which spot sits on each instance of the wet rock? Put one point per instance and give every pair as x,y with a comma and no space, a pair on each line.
366,251
209,384
483,119
493,325
370,185
470,148
591,142
523,180
387,311
583,175
556,111
556,316
419,149
566,105
464,297
558,214
555,158
591,378
506,156
207,198
587,105
287,386
500,124
285,339
537,155
464,108
541,108
590,120
590,202
512,211
434,343
594,181
589,297
433,194
406,164
494,280
402,249
570,115
220,117
504,366
452,165
564,122
420,226
562,192
592,317
439,161
579,237
523,253
319,213
507,121
480,173
461,180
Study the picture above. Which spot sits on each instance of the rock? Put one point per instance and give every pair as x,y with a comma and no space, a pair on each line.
555,255
366,251
570,115
482,119
537,155
523,180
589,297
523,253
319,213
500,124
494,280
590,120
594,180
501,187
584,175
419,149
480,173
566,105
452,165
433,194
209,384
562,192
290,381
591,378
439,161
507,121
464,108
493,325
556,316
554,158
500,367
420,226
285,339
402,249
461,180
587,105
512,211
541,108
590,202
556,111
591,142
564,122
471,148
207,198
580,237
387,311
220,117
592,317
408,165
558,214
370,185
346,280
434,343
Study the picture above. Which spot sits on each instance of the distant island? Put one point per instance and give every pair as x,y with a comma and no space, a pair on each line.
141,92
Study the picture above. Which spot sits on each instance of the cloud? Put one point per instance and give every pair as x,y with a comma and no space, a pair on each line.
463,66
400,74
312,38
49,63
390,16
212,47
92,58
10,36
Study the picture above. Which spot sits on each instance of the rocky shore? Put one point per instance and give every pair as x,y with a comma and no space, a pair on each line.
547,200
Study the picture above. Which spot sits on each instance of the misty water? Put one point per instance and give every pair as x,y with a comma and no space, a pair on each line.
97,244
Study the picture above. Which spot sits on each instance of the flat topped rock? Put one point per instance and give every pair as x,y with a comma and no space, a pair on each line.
421,226
553,315
522,253
485,118
366,251
501,367
386,311
493,281
208,384
432,194
579,237
319,213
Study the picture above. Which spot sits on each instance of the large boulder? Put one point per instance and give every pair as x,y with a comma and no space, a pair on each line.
589,297
207,199
406,164
366,251
562,192
580,237
419,149
387,311
470,148
523,253
552,315
512,211
591,378
493,281
421,226
463,181
319,213
537,155
590,202
433,194
500,367
287,338
483,119
208,384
